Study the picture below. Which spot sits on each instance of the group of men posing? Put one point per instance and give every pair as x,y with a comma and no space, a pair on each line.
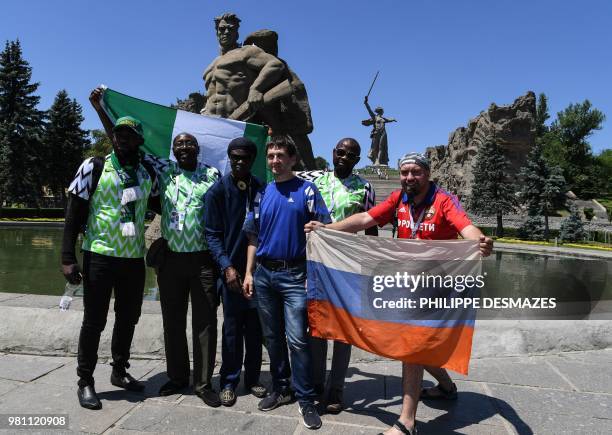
235,237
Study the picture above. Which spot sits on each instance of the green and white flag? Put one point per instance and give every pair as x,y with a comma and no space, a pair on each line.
161,124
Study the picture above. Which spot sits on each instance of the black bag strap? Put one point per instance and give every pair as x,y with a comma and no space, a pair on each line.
98,166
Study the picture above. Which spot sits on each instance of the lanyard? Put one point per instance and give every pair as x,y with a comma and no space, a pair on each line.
414,226
332,205
175,197
248,200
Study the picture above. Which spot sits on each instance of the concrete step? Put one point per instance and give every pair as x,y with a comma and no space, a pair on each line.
33,324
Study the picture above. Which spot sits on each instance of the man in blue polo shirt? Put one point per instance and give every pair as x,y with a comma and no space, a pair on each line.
276,238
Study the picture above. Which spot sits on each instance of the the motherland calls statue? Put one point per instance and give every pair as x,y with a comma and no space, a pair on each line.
379,151
249,83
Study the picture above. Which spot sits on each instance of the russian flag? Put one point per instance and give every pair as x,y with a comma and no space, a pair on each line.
407,300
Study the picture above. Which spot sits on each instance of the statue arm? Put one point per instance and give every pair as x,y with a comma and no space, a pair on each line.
207,76
367,122
270,69
372,115
390,119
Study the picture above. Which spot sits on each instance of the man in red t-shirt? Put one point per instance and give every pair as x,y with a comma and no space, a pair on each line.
420,210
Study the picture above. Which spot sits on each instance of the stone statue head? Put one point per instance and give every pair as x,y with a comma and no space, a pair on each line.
379,110
227,26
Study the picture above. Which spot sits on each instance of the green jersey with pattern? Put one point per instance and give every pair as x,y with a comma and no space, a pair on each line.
343,196
103,231
182,198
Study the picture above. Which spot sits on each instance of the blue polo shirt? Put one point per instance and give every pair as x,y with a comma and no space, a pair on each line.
280,212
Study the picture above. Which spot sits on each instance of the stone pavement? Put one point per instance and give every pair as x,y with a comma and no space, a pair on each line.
569,392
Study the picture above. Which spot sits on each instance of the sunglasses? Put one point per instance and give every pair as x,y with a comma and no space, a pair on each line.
349,155
237,158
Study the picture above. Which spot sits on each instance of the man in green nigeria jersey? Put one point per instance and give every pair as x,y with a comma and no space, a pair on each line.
108,197
188,269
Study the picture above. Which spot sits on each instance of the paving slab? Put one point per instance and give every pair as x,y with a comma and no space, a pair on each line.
160,417
473,405
583,374
339,429
31,398
483,370
600,356
26,368
66,376
42,432
546,423
442,426
520,399
119,431
7,385
530,371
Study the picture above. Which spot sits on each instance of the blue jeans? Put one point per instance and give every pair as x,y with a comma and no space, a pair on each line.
281,302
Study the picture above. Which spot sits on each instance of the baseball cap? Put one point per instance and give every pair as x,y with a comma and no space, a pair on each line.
130,122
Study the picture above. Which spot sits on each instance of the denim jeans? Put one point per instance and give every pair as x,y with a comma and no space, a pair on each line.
281,302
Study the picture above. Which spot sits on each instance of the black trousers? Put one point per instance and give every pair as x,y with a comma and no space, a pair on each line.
241,338
102,274
181,275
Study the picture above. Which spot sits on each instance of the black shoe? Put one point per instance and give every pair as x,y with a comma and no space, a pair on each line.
209,396
88,397
274,400
258,391
310,416
172,387
126,381
333,403
227,397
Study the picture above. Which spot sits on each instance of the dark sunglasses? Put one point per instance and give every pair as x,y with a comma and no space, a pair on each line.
342,153
237,158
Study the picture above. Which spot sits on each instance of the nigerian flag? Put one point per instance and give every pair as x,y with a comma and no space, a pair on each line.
161,124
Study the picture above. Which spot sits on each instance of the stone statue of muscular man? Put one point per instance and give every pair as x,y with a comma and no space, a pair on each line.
239,74
250,83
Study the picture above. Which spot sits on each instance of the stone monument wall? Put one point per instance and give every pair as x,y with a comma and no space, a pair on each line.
512,126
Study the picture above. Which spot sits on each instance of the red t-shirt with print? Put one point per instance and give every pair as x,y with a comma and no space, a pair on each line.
444,217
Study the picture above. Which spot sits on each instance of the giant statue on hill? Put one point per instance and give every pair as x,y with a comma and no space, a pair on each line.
250,83
379,150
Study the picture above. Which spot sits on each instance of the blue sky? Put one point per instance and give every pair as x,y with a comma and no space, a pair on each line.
440,62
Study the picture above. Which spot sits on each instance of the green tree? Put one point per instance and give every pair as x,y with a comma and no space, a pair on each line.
492,192
542,116
64,143
604,161
543,187
21,125
566,145
572,228
532,229
101,144
321,163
